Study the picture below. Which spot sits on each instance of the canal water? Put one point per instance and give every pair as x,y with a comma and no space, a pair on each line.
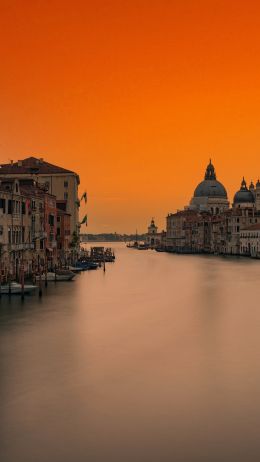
155,360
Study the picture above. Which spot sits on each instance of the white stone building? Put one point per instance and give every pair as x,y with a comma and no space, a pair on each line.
153,238
250,241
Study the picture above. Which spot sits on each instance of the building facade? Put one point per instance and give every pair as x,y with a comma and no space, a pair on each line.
61,183
34,232
153,238
250,241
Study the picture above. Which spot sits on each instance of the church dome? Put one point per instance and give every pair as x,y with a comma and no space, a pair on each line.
244,195
210,187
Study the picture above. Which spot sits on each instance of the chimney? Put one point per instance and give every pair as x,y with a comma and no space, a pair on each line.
41,160
20,163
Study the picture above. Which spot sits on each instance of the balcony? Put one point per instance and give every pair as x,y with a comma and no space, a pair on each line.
25,246
40,235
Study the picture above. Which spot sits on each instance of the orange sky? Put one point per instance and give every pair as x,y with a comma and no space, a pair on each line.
133,95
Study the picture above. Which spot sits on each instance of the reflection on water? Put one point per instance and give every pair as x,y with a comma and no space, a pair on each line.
157,360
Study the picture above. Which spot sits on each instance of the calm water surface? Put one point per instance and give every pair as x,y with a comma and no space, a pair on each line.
157,360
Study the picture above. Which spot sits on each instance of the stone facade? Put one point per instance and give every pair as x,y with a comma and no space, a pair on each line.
61,183
28,227
250,241
153,238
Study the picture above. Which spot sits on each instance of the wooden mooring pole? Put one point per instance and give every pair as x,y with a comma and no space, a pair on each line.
40,283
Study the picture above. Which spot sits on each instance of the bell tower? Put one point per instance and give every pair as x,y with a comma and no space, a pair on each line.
210,172
152,228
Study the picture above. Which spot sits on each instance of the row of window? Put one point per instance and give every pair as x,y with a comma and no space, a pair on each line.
16,236
253,249
12,206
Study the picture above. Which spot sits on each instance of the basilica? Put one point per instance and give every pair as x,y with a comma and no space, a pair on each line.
210,224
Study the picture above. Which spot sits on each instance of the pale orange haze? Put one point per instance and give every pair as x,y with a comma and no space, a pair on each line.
133,95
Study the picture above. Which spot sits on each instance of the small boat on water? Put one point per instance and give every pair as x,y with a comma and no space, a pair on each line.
86,265
74,269
14,288
101,254
143,247
132,246
59,275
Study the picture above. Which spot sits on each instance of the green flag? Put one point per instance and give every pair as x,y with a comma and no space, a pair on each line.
84,220
84,196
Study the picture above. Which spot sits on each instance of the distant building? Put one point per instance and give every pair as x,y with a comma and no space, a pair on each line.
153,238
250,241
209,225
210,195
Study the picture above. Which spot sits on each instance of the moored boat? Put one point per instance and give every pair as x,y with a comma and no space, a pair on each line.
59,275
14,288
74,269
86,265
143,247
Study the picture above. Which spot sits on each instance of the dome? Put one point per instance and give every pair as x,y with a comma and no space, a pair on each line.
210,187
244,195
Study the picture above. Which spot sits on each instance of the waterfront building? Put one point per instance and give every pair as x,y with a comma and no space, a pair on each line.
208,224
34,228
63,236
188,231
27,225
15,227
153,238
250,241
43,213
61,183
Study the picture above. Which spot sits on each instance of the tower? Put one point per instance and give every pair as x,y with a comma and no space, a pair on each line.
152,228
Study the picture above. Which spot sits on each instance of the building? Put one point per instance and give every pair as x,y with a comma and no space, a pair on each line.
43,213
61,183
210,195
63,236
27,226
250,241
15,227
208,224
153,238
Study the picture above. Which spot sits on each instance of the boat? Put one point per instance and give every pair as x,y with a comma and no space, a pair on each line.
14,288
101,254
132,246
92,265
59,275
86,265
143,247
74,269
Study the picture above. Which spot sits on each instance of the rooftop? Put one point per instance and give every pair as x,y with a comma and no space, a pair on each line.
32,165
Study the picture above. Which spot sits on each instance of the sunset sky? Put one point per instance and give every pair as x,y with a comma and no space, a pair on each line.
135,96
